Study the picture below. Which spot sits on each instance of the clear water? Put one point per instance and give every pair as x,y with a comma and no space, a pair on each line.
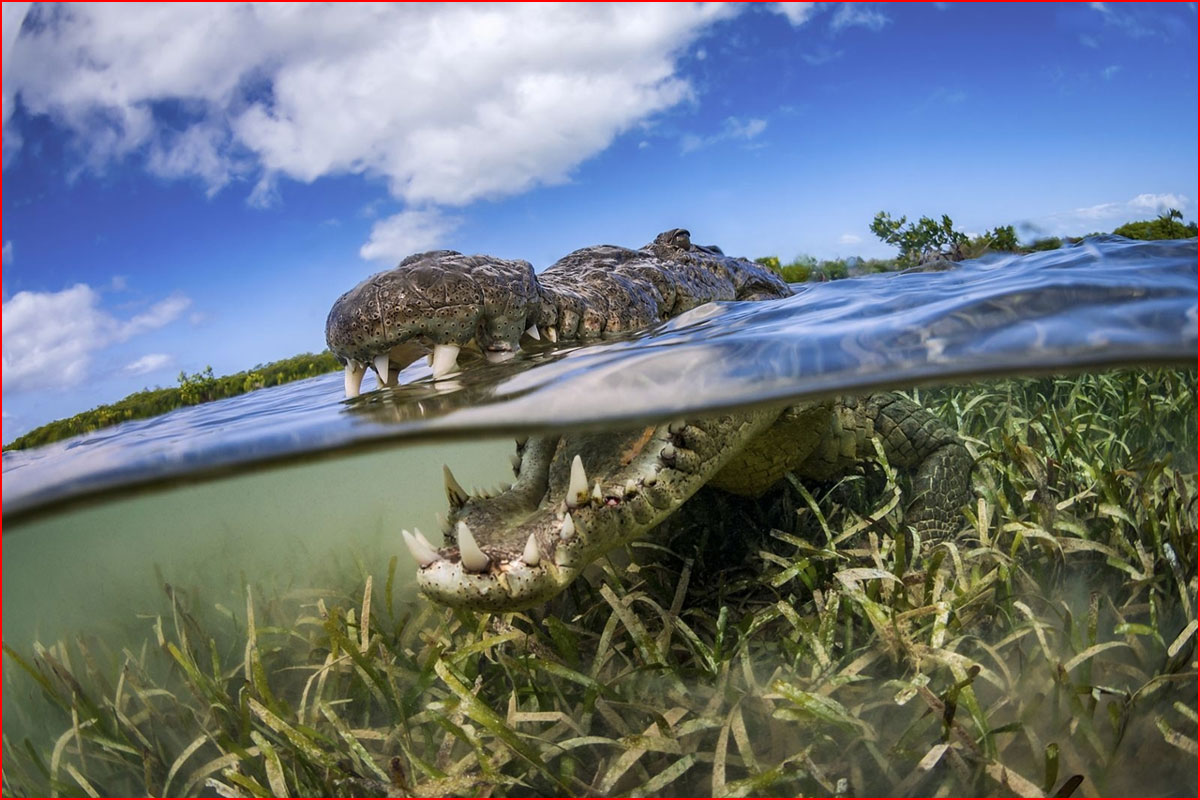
292,487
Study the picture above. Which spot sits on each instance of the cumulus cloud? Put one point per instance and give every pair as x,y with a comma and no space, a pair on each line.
1099,211
1107,215
147,364
796,13
447,103
49,337
408,232
734,129
856,15
1158,202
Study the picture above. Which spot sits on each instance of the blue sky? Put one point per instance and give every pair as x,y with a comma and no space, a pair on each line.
194,185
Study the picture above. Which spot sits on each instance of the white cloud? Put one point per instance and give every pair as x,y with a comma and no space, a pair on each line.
849,238
1100,211
447,103
851,15
147,364
1108,215
49,337
1110,71
796,13
13,16
821,55
7,253
1158,202
1087,40
733,129
408,232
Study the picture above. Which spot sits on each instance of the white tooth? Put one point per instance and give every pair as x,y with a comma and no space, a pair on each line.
521,440
516,461
420,536
668,452
445,359
381,367
630,486
532,555
650,479
596,493
568,528
498,356
354,378
473,559
454,491
421,550
577,488
552,333
533,332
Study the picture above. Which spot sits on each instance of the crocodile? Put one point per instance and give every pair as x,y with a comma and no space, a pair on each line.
580,494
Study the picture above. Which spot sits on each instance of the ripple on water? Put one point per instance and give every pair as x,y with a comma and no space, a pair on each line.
1104,301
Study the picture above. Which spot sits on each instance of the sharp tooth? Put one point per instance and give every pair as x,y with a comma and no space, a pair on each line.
381,367
421,537
568,528
532,554
498,356
532,331
676,427
596,493
421,550
473,559
445,360
552,333
354,378
577,489
668,453
516,462
630,486
443,521
521,440
650,479
454,492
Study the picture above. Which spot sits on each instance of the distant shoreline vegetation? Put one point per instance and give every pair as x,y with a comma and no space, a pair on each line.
919,242
928,239
200,387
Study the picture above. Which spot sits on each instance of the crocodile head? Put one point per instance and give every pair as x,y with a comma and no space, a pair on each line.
575,497
578,495
436,304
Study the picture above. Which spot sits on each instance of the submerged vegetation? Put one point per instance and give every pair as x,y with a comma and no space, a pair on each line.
800,646
200,387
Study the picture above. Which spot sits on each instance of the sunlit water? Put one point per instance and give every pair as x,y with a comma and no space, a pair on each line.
95,524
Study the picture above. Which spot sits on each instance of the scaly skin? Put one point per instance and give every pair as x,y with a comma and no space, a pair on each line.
527,543
448,299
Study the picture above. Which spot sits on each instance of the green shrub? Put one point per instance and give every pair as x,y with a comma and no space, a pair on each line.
1166,226
918,237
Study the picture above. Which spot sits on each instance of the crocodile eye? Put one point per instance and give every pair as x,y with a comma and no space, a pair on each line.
682,239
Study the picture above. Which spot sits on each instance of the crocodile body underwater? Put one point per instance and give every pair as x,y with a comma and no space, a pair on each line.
578,495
